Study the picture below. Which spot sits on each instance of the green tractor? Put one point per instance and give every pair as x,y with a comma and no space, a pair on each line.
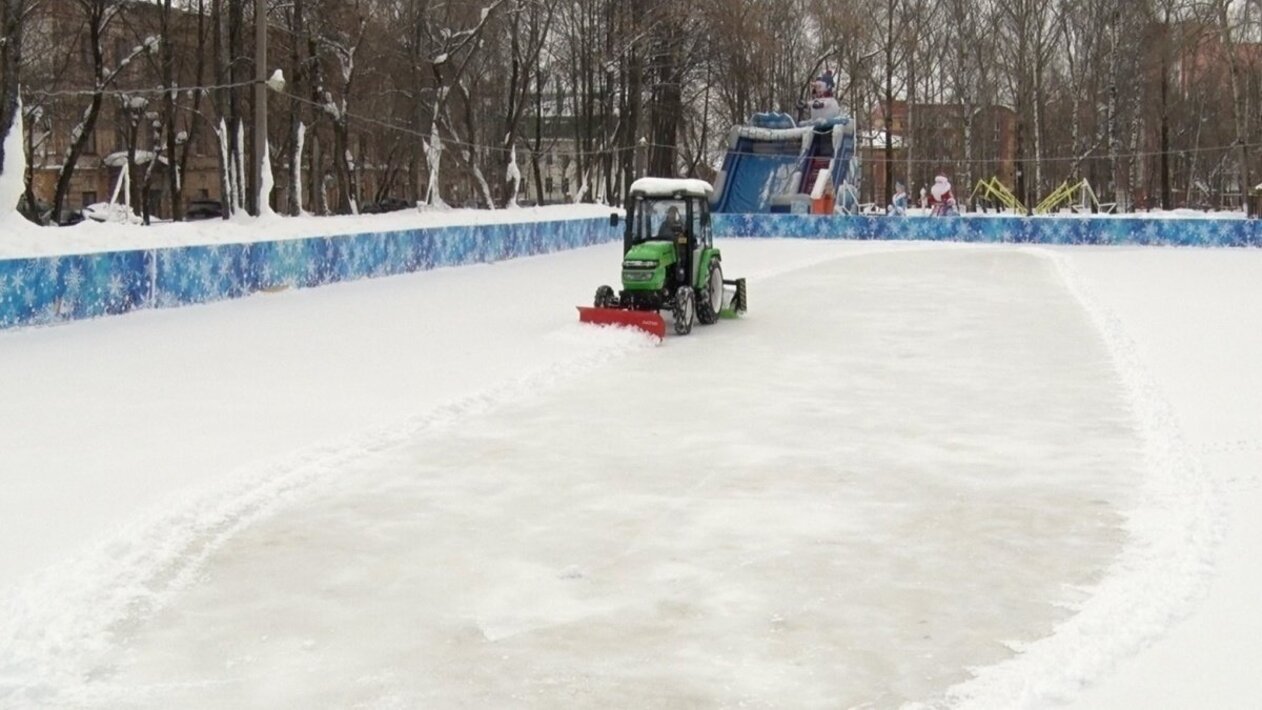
669,262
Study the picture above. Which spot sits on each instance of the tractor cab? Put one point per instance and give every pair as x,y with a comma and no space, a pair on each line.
660,209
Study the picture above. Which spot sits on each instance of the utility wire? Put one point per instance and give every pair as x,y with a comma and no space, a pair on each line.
477,147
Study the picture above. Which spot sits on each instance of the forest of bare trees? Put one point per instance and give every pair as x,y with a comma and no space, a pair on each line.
474,102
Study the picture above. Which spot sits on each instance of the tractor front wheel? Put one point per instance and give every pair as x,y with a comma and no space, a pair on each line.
685,310
711,301
605,297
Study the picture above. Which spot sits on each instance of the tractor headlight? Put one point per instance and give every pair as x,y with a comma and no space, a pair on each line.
639,264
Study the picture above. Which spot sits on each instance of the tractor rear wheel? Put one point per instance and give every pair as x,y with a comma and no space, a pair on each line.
605,297
685,310
711,297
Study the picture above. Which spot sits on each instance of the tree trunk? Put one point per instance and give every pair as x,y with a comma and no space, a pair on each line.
96,16
11,22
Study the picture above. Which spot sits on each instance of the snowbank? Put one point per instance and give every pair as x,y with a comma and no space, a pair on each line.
19,238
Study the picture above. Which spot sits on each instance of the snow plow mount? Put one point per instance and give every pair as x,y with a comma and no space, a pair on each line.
734,299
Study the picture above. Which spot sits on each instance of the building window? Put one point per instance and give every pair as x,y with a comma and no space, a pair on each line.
124,133
89,198
547,184
565,186
548,158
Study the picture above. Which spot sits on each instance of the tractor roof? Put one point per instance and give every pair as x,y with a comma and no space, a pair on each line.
670,187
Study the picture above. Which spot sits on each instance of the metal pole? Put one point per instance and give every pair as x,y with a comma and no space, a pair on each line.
260,100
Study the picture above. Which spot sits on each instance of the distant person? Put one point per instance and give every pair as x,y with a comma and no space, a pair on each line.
941,200
898,205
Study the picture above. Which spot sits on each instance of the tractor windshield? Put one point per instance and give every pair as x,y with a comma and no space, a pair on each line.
659,219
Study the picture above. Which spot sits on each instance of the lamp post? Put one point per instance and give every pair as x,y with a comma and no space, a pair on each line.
262,82
260,100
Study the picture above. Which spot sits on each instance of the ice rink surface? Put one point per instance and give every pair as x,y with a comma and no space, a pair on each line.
906,464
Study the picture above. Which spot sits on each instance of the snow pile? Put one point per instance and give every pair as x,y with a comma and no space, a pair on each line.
513,177
667,187
27,240
13,179
266,182
119,158
113,212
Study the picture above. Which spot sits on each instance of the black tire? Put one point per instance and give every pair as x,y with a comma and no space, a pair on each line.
710,298
605,297
684,310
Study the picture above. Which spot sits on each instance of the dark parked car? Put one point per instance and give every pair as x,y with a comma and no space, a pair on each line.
70,218
203,209
389,204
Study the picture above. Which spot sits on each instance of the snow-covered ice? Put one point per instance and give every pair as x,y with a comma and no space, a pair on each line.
906,464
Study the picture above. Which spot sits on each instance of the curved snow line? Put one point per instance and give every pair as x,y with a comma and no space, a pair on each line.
60,624
1172,538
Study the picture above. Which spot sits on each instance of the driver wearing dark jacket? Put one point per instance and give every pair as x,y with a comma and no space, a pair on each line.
672,225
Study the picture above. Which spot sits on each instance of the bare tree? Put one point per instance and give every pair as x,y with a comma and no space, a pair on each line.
97,16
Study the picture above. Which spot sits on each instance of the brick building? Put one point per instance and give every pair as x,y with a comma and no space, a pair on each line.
936,141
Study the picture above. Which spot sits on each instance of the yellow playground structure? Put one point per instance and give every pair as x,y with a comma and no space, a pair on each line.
996,193
1067,194
1077,196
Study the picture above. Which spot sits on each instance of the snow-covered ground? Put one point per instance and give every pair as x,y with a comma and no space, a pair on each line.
438,490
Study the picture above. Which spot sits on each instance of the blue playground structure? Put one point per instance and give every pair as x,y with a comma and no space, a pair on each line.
778,165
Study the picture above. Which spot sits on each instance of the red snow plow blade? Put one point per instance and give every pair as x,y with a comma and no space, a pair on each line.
647,321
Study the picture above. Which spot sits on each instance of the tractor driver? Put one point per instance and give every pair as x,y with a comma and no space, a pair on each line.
672,225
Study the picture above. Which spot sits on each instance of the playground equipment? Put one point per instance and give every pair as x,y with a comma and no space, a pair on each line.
1065,195
996,193
776,164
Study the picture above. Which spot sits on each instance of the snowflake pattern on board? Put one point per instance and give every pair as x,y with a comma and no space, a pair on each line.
1201,232
54,289
41,291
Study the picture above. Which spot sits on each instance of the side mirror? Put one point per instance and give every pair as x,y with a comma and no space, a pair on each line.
613,219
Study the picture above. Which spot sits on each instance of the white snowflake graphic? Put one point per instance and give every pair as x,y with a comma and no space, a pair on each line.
74,280
205,276
115,288
51,265
225,265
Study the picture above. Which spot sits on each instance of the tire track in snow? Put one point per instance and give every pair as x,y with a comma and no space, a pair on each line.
1173,533
59,623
